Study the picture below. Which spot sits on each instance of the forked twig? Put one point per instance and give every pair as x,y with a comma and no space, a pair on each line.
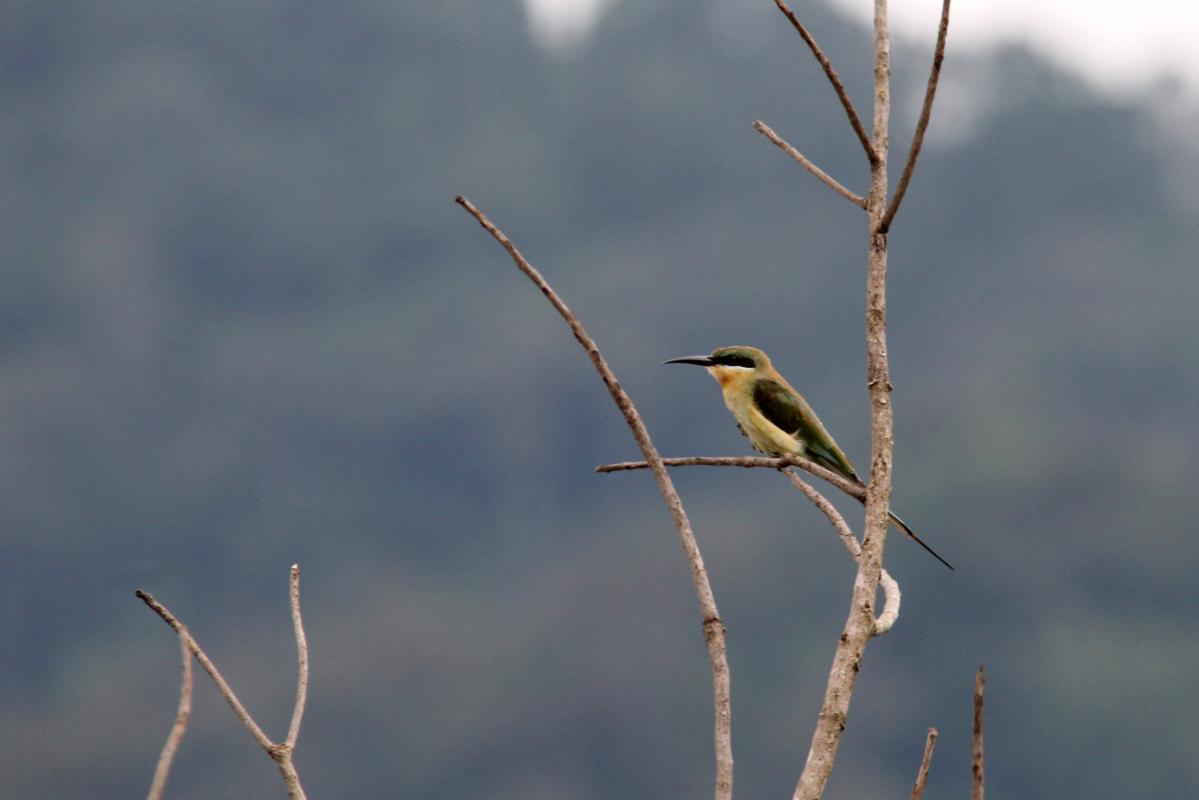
182,715
807,164
713,627
926,111
280,753
222,685
922,774
854,120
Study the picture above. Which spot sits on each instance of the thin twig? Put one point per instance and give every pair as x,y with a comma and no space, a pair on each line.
922,775
222,685
182,715
854,120
293,731
844,484
829,510
713,627
885,621
807,164
922,125
976,760
890,588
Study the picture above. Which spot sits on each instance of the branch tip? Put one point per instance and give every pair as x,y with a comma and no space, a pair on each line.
922,773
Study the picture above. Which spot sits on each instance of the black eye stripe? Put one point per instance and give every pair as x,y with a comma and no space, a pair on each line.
734,361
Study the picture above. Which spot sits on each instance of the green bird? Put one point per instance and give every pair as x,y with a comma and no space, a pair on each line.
776,418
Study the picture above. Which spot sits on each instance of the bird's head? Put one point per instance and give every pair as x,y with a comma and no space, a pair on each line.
730,365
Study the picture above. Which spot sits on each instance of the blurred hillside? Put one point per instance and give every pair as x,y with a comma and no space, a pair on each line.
243,325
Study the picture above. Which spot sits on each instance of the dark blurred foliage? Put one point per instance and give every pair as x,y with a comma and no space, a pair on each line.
243,324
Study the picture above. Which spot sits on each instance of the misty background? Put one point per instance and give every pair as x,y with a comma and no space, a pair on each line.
243,324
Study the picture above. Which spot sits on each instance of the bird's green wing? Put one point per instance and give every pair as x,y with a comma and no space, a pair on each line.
790,412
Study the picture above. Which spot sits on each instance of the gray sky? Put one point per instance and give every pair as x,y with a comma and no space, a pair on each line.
1120,47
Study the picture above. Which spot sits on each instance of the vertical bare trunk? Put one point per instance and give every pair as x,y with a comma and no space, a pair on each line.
859,627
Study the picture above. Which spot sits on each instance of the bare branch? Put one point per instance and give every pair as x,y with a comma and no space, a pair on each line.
890,588
976,761
830,511
807,164
922,125
922,775
287,768
844,484
293,731
860,624
854,120
713,627
282,753
182,715
886,620
205,662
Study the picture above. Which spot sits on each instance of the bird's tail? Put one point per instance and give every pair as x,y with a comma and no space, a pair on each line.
903,526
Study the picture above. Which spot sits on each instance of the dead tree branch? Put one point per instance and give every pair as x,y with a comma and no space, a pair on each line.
922,774
830,512
807,164
926,111
780,462
860,624
890,588
854,120
293,730
280,753
182,715
885,621
713,627
976,758
222,685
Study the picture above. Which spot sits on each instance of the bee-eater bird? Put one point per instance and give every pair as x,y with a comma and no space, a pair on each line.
776,418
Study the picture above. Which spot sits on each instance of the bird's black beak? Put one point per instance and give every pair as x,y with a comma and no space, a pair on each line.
703,361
